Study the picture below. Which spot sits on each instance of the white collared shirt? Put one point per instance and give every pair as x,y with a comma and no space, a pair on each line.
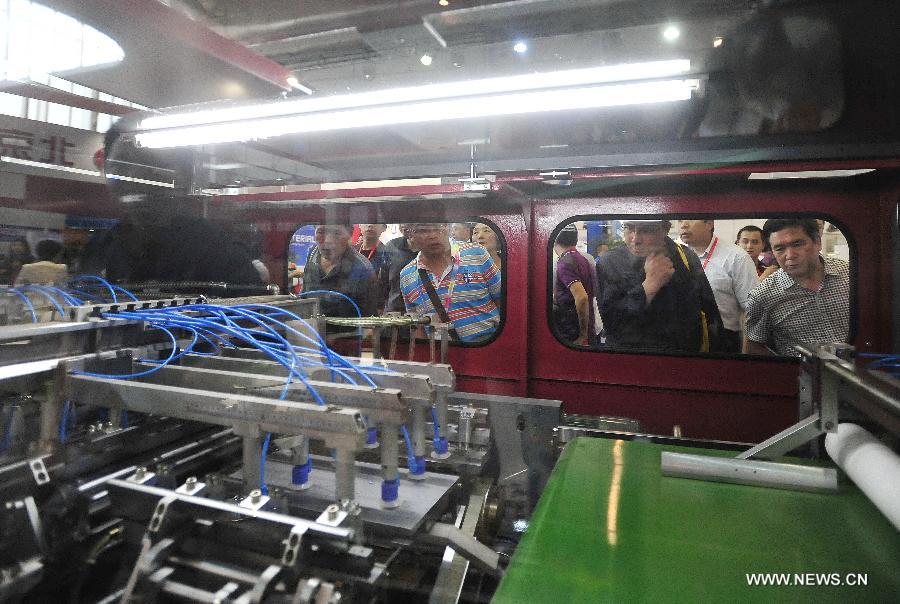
731,275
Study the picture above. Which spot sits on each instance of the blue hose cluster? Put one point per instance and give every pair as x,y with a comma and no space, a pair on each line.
82,289
213,327
889,363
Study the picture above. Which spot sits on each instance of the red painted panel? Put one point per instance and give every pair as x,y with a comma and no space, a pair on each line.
706,390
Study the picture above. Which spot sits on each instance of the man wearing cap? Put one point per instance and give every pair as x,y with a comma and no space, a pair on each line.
463,287
654,295
730,272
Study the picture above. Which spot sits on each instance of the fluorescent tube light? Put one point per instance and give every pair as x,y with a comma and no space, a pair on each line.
808,174
515,103
532,81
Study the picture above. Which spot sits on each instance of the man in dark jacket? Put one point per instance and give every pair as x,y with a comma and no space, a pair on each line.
400,252
333,265
654,294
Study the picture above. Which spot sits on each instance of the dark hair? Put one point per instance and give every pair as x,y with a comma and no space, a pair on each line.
754,229
773,225
48,249
567,237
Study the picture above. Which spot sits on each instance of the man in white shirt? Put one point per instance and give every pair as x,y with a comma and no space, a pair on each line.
730,272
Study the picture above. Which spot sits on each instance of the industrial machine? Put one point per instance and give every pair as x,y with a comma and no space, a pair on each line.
166,447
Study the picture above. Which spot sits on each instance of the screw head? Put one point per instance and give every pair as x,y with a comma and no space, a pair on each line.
255,495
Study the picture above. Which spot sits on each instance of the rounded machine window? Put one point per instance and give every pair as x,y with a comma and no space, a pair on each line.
436,278
685,285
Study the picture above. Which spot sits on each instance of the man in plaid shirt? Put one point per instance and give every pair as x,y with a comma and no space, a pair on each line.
807,301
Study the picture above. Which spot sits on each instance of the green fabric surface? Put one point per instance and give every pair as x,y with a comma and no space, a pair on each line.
610,528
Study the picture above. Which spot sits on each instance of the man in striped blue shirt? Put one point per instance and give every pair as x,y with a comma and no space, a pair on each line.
467,283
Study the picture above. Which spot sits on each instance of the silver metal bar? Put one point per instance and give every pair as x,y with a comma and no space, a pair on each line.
389,451
441,375
452,572
337,427
229,508
380,404
744,471
786,440
344,474
413,386
418,431
251,457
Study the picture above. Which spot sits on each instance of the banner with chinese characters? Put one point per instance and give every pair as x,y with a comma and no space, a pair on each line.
42,145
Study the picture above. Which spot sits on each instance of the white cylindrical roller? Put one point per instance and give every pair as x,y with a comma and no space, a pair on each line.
871,465
747,471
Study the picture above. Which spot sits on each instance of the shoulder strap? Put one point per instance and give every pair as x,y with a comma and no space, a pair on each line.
704,326
436,302
683,257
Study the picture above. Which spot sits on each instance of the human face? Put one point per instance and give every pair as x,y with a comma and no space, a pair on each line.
485,236
696,233
644,239
461,231
371,232
751,242
431,238
795,252
333,240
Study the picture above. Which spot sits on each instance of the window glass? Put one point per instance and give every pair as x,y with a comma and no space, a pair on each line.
684,285
374,265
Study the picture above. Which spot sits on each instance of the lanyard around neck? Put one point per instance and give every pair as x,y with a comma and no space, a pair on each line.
710,252
371,252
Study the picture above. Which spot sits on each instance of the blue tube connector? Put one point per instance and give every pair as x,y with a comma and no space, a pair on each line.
389,492
418,471
371,438
300,474
441,448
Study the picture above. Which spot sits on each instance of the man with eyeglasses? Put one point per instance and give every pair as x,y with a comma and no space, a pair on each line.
333,265
465,285
654,295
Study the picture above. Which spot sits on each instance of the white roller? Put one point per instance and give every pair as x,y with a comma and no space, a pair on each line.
871,465
749,471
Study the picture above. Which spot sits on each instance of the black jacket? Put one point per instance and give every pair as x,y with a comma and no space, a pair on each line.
672,321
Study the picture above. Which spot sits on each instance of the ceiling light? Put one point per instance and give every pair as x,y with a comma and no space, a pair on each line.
294,83
530,81
671,33
460,107
520,47
225,166
808,174
717,41
426,59
444,2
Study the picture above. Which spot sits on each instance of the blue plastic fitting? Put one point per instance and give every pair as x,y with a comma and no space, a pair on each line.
371,436
389,489
300,474
420,466
440,446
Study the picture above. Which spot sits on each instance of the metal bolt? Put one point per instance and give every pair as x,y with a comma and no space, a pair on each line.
332,511
829,425
255,496
140,473
191,483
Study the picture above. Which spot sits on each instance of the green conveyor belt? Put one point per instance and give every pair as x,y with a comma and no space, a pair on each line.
610,528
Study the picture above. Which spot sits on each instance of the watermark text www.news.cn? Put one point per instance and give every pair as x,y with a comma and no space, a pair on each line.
808,579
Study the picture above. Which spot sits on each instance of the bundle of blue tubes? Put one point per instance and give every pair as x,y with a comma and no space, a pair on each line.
214,327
